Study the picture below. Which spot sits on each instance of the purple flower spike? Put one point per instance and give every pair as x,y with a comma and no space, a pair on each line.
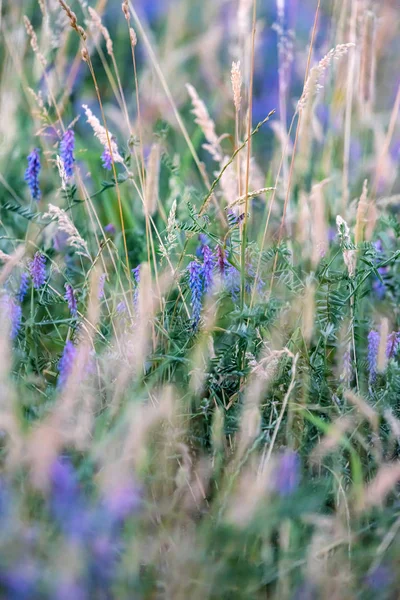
208,268
32,174
71,299
106,158
380,579
373,347
67,147
196,288
287,475
16,318
110,228
23,287
66,363
38,270
393,343
102,281
136,277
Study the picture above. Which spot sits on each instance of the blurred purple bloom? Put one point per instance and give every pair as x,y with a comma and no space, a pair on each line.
392,345
32,174
373,347
20,581
196,288
380,578
136,277
60,241
110,228
67,147
71,299
203,240
66,500
23,287
107,160
37,269
13,312
208,267
122,501
121,307
287,475
16,318
102,280
378,285
66,363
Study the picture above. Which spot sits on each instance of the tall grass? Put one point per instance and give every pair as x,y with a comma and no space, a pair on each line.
199,342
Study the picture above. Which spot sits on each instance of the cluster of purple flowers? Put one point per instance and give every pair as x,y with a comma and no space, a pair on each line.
23,287
287,473
136,277
106,159
37,270
13,312
379,285
32,174
196,286
66,363
392,346
71,299
67,147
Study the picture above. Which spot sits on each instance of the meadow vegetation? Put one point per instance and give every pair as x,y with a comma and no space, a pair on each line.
199,289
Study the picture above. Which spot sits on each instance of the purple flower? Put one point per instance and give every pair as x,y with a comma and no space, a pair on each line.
392,345
203,240
106,158
208,268
23,287
66,363
373,347
287,474
66,500
136,277
16,318
71,299
122,501
380,578
13,312
196,288
37,269
32,174
67,147
110,228
100,293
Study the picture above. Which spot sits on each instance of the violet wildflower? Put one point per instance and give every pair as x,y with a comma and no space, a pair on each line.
32,174
100,293
107,160
208,268
110,228
23,287
15,317
287,475
393,343
196,288
136,277
380,578
13,312
203,240
66,363
373,348
37,269
379,285
67,147
71,299
221,261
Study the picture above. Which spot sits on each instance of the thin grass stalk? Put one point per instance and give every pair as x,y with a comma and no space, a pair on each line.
249,145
